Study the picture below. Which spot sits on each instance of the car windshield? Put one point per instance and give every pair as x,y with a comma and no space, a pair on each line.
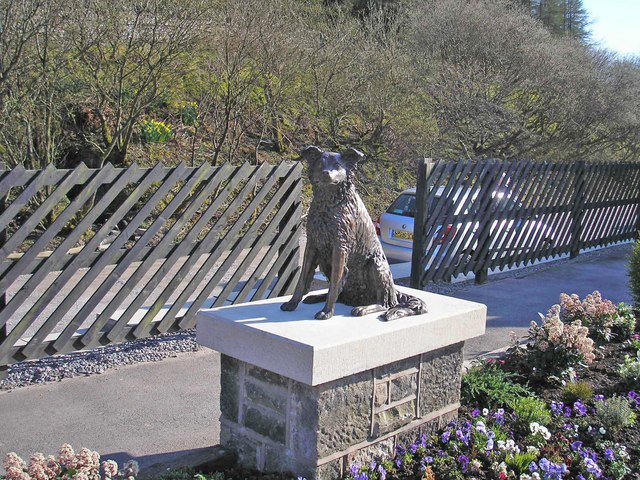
404,205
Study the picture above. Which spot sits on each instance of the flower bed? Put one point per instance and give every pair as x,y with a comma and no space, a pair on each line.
565,406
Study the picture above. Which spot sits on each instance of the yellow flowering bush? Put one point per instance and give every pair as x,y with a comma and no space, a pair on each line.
153,131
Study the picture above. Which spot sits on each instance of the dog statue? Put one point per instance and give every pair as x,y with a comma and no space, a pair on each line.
341,239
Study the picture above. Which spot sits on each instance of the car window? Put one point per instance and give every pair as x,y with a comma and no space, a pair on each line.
404,205
503,201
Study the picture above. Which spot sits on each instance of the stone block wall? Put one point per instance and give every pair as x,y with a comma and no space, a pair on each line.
278,424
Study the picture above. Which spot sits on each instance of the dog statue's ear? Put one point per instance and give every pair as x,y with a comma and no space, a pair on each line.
352,156
311,153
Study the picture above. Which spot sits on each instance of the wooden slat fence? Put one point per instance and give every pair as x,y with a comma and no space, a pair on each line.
96,256
476,216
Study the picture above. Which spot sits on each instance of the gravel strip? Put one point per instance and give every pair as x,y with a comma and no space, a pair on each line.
52,369
159,347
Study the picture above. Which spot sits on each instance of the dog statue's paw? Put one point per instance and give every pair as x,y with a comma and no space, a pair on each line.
322,315
359,311
289,306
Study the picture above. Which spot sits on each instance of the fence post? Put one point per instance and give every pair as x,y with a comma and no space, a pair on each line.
577,208
425,166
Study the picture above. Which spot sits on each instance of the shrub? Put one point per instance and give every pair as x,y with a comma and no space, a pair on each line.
520,461
625,322
630,369
577,391
555,346
68,465
189,114
635,341
531,410
595,313
153,131
614,414
488,385
634,273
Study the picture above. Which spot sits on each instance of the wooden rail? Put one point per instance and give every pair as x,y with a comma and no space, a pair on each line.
90,257
476,216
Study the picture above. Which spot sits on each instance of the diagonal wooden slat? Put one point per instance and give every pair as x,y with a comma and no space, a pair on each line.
489,185
32,222
57,257
500,216
156,253
244,191
277,241
529,239
517,175
189,241
158,173
90,338
13,178
592,207
612,211
36,182
211,245
436,177
534,201
71,269
463,224
290,248
603,216
115,334
561,215
231,236
287,278
441,215
574,206
264,237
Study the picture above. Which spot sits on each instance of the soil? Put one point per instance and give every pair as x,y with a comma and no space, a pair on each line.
603,377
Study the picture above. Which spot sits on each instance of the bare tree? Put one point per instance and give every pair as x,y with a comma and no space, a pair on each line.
31,83
126,54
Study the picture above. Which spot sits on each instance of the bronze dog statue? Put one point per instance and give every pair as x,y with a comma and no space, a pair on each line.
341,239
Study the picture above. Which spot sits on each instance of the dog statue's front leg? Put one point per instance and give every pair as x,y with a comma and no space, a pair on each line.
309,265
338,260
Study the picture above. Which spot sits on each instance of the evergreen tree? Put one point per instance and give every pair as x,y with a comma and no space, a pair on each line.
562,17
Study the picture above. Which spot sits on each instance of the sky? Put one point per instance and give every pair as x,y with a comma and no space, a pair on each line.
615,24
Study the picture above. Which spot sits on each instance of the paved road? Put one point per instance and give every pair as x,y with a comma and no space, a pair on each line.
151,411
514,301
159,411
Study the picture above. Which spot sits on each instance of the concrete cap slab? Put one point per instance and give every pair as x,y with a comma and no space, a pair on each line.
297,346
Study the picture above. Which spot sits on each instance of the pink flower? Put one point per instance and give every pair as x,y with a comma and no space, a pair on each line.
16,474
12,460
110,468
87,459
37,471
66,456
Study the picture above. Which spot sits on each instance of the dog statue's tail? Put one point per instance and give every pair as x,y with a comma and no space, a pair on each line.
407,305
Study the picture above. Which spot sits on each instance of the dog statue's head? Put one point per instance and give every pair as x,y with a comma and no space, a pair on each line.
330,168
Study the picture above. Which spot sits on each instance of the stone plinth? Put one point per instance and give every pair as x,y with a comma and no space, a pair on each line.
310,397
